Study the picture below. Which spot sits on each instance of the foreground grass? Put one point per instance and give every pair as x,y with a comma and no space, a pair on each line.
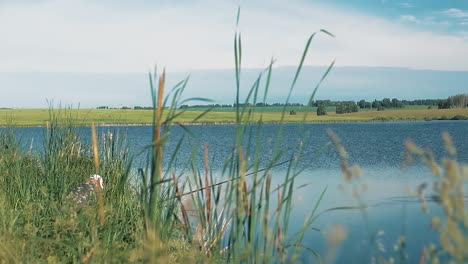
142,216
39,117
39,224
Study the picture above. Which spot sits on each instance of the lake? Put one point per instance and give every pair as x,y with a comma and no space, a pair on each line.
377,148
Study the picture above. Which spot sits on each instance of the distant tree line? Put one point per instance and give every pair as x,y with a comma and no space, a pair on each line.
385,102
142,107
125,107
459,100
240,105
205,106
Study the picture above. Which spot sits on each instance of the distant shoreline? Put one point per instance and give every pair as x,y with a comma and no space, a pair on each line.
251,123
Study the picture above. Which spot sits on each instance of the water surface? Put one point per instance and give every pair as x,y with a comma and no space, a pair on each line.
377,147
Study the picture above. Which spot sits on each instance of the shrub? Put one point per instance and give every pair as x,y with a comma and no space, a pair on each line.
349,107
321,110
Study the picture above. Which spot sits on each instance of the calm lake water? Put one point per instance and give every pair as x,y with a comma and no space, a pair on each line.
376,147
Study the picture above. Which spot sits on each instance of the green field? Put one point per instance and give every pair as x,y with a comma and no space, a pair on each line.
297,108
39,117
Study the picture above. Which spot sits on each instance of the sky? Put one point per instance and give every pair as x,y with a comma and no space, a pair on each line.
56,42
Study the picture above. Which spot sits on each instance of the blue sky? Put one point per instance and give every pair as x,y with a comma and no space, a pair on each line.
435,15
123,36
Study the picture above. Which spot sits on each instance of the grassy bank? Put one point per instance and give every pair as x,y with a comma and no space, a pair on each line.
155,214
39,117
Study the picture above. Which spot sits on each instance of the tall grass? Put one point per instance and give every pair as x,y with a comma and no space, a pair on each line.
240,219
158,213
39,223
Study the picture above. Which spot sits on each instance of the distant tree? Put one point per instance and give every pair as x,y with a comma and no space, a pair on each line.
321,110
458,101
102,107
362,104
443,104
386,102
354,107
376,104
380,107
396,103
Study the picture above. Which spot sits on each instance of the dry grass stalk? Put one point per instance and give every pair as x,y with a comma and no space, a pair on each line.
89,255
96,164
95,147
449,193
334,236
246,198
157,135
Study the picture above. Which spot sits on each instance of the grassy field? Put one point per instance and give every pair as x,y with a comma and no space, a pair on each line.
39,117
267,109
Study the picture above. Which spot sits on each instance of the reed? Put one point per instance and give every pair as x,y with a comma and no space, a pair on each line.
157,213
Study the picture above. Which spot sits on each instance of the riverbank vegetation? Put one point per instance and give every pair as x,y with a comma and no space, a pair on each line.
155,213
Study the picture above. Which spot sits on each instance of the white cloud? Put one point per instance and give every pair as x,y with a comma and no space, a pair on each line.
455,13
87,36
409,18
405,5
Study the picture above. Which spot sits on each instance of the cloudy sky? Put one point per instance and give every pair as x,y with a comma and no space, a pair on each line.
129,36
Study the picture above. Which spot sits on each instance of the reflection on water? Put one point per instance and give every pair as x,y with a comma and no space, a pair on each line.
376,147
390,212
